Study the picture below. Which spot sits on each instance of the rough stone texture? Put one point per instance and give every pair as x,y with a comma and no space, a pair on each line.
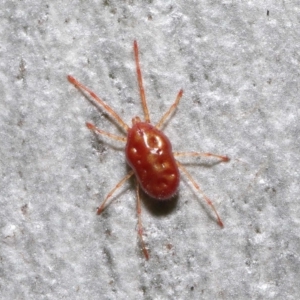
238,63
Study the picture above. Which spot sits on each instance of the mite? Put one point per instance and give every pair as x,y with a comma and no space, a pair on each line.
148,152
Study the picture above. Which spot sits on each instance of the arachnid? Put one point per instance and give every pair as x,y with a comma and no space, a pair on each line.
148,152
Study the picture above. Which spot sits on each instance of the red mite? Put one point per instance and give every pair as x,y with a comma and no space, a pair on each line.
149,153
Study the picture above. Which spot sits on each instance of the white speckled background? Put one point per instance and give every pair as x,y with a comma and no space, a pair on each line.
239,65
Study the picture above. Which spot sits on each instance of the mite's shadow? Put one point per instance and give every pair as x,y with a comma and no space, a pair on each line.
157,207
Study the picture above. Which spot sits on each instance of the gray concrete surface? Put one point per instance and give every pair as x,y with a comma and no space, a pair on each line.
238,63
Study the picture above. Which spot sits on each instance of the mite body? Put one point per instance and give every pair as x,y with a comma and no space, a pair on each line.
149,154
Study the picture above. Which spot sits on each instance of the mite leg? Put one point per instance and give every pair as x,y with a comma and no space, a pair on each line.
207,154
209,202
140,226
124,179
140,81
99,102
102,132
170,110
